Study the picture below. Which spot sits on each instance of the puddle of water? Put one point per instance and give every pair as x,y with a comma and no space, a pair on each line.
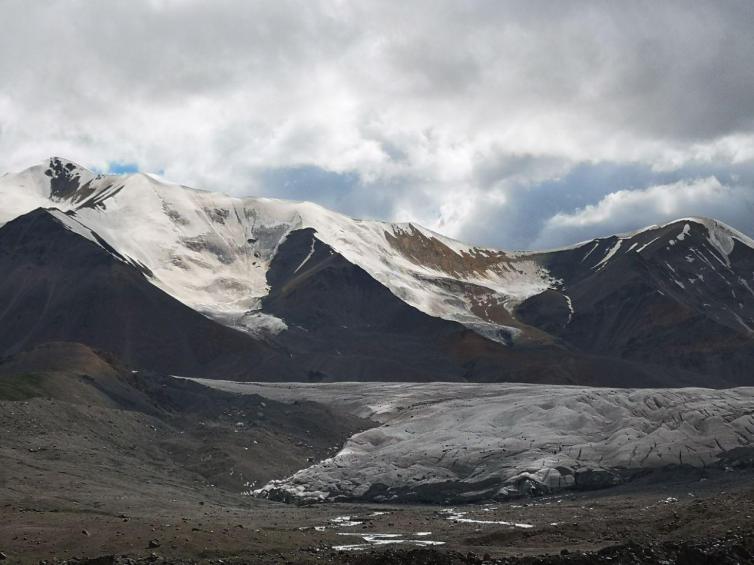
373,540
456,516
345,522
348,521
371,536
370,540
353,547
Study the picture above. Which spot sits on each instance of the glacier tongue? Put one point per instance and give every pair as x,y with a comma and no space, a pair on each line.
461,442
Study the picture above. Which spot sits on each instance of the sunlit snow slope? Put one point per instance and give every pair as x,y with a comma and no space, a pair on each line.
212,251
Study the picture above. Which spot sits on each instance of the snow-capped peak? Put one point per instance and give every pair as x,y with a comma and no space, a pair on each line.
212,251
69,165
721,235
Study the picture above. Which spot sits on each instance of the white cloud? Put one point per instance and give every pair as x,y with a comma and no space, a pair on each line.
445,106
624,210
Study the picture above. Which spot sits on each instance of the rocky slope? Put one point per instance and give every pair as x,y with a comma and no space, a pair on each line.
66,410
679,294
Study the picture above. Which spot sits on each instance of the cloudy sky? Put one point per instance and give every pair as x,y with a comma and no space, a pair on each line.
512,124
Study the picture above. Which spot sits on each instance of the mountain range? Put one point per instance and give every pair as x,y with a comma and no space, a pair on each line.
172,279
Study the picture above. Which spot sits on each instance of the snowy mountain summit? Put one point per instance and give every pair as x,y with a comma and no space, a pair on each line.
213,251
671,303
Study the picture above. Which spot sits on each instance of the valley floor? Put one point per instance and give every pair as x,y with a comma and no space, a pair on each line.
123,467
167,523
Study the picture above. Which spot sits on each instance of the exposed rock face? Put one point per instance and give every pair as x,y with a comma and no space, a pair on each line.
428,251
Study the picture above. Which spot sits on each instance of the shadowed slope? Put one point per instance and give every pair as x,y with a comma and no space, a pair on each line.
59,285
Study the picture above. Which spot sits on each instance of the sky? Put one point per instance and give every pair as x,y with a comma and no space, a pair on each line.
517,125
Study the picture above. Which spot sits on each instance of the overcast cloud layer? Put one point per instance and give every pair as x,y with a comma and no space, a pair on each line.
512,124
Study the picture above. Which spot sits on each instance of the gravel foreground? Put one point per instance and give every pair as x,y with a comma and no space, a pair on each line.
685,521
735,548
128,468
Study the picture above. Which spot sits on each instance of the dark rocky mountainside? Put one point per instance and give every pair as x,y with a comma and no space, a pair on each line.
679,295
342,324
60,286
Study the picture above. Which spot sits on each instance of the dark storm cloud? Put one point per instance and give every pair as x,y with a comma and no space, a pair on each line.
499,122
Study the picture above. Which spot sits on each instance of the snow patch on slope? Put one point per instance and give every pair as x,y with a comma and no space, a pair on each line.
74,225
612,251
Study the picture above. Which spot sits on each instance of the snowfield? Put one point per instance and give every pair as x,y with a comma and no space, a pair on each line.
212,251
464,442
